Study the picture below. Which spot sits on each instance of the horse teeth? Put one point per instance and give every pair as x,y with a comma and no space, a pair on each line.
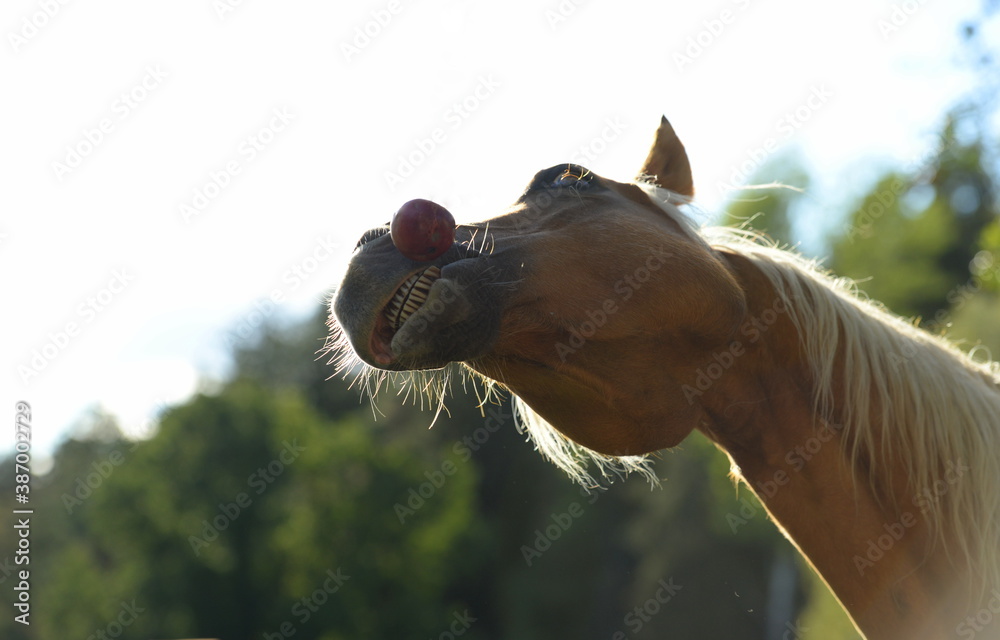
410,296
419,295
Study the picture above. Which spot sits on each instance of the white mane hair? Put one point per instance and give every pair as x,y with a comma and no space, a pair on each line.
912,398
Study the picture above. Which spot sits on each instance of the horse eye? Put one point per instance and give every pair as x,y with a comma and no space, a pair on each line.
372,234
572,176
562,176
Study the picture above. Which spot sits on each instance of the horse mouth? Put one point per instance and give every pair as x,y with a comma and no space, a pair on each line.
398,315
410,296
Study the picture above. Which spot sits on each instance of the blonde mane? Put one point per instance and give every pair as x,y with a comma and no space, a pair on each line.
912,399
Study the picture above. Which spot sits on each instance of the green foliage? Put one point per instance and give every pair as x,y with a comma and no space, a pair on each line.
242,505
911,241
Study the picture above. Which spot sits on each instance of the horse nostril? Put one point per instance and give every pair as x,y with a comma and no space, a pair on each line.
422,230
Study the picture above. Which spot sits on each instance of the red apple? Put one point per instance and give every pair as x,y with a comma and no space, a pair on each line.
422,230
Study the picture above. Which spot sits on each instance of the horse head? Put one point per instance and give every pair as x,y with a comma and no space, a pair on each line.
592,300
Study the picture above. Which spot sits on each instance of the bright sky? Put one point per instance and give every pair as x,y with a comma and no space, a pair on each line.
169,167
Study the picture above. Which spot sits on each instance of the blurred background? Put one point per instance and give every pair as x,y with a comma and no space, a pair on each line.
183,185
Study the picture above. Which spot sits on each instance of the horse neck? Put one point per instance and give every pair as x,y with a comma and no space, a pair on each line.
863,536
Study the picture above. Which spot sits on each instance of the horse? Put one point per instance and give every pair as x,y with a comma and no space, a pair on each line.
620,326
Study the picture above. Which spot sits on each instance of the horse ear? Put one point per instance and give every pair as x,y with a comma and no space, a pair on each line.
667,164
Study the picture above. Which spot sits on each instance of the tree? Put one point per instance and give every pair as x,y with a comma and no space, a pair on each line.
911,240
248,511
